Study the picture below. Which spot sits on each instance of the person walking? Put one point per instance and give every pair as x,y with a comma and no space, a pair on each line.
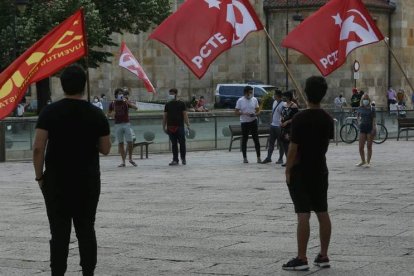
122,125
175,115
275,129
288,111
247,107
391,97
69,136
307,173
367,130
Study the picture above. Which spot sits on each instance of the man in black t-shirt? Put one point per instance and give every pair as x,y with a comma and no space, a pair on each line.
175,115
307,172
69,136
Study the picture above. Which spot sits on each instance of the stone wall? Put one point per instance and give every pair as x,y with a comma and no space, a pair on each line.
248,61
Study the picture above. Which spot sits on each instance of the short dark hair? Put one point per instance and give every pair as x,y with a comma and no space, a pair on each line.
315,89
117,91
173,90
288,94
247,89
278,92
73,80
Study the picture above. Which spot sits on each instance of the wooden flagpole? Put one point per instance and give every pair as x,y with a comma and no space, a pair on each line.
85,41
285,65
398,63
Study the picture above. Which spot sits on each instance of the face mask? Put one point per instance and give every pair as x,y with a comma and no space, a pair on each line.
249,97
96,100
120,97
365,102
171,97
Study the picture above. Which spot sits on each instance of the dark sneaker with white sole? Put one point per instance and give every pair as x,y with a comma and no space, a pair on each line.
322,262
296,264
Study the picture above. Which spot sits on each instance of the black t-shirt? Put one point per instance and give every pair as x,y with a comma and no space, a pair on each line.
74,128
312,129
175,111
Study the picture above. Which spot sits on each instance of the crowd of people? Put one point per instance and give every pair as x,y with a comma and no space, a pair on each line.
71,185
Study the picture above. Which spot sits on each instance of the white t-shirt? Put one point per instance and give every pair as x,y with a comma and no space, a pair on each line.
276,113
247,106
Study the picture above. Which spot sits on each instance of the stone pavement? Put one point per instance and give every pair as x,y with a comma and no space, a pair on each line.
217,216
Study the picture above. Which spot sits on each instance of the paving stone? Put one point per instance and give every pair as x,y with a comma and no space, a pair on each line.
217,216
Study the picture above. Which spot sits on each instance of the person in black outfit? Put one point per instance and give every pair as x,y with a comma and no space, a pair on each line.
307,173
73,132
289,109
175,115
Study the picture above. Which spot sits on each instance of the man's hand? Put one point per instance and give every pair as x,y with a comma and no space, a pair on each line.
287,173
40,182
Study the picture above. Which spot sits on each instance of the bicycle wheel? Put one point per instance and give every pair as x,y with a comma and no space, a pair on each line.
381,135
348,133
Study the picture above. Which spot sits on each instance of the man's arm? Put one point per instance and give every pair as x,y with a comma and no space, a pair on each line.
291,157
39,146
186,120
132,105
105,144
238,112
164,122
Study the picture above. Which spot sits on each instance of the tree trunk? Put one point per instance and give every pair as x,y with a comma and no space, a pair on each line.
43,94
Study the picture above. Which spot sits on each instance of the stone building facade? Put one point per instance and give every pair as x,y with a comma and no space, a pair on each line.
254,59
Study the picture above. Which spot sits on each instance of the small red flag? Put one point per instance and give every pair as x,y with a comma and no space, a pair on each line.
331,33
129,62
63,45
202,29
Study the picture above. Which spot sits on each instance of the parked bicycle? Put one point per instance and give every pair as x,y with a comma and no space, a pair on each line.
349,131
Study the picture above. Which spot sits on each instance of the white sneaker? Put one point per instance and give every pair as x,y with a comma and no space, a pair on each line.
360,164
367,165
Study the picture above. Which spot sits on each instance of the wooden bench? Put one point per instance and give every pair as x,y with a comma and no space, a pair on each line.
142,145
405,124
263,130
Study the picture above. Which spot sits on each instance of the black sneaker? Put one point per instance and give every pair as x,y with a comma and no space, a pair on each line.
266,160
183,162
322,262
280,161
296,264
173,163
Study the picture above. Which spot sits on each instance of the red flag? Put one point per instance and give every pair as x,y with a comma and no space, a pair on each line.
202,29
331,33
129,62
63,45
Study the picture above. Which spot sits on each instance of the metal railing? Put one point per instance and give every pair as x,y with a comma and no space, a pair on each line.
210,128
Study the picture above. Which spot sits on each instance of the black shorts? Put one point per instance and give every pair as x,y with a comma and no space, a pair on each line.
309,191
365,128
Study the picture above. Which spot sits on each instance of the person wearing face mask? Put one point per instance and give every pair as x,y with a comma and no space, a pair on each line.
367,130
97,103
123,128
288,111
247,107
175,115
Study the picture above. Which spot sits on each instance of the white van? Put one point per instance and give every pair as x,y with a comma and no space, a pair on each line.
227,94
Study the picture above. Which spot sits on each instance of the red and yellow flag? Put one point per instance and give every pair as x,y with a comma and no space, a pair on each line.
63,45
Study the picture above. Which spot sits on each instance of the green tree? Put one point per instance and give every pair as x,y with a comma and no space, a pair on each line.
18,31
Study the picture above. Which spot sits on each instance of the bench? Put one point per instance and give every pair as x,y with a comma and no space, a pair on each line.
405,124
263,130
142,145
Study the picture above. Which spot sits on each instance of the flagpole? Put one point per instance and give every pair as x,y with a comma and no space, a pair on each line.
285,65
398,63
85,41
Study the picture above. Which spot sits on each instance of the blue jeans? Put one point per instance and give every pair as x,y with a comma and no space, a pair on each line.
176,138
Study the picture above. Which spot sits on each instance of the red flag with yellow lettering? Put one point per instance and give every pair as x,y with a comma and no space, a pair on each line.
63,45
